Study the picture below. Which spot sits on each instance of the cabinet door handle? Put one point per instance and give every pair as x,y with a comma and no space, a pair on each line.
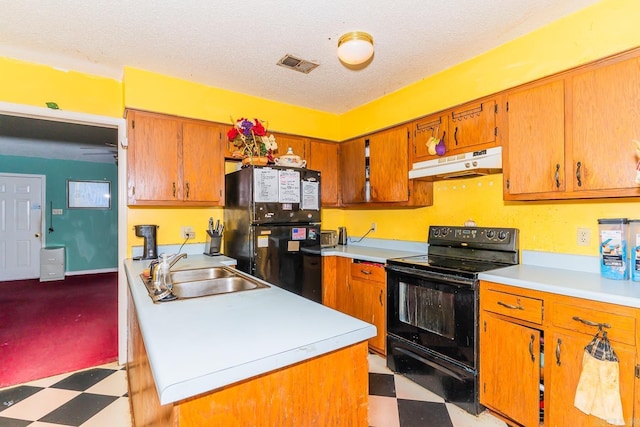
380,296
174,189
533,356
578,174
590,323
365,271
187,190
455,135
511,307
558,362
557,175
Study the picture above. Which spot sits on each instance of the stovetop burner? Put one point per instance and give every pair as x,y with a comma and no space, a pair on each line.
465,251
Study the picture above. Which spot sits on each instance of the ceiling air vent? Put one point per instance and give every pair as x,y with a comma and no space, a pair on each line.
294,63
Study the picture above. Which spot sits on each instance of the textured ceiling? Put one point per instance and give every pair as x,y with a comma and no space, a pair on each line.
235,45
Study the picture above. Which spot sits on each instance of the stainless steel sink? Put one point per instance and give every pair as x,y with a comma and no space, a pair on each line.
204,282
218,286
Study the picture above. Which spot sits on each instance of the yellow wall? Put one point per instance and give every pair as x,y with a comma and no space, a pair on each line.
32,84
606,28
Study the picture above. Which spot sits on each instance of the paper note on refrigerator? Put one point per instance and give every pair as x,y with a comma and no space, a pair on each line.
289,186
265,185
310,195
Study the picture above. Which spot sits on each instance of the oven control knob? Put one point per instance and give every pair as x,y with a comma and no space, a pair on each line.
444,231
491,234
436,232
502,235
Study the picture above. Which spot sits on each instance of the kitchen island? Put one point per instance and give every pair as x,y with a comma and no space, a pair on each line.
259,357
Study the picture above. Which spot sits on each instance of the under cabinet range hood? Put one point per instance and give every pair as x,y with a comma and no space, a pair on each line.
475,163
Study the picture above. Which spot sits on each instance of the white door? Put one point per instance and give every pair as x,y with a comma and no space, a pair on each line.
21,224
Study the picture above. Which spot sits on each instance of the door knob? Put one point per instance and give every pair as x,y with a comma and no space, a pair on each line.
37,234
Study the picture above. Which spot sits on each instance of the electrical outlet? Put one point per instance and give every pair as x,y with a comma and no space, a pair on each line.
373,226
188,233
584,237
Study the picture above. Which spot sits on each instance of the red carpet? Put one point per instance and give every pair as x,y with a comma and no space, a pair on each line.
51,328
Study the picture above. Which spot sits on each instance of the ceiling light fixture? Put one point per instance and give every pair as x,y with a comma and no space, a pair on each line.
355,48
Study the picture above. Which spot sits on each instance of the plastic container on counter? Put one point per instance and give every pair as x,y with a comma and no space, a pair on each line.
634,245
614,258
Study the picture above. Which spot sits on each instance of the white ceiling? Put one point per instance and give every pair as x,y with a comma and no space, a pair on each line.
236,45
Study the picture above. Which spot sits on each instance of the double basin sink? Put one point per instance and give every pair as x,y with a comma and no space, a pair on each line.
202,282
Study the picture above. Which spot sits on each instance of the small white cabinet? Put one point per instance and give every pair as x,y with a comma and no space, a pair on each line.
51,264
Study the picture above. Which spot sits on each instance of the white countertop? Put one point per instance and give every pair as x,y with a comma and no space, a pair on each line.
367,253
588,285
201,344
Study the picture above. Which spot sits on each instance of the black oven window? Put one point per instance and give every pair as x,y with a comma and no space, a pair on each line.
429,309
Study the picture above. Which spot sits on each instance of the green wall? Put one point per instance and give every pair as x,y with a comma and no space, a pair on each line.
90,236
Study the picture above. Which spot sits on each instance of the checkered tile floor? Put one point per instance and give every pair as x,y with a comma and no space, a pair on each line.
98,398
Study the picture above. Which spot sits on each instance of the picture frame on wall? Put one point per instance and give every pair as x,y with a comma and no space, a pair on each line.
86,194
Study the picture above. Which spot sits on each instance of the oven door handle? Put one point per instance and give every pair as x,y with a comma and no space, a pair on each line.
430,363
449,279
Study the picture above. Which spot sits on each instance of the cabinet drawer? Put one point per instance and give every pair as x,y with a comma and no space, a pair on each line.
368,271
585,319
52,256
513,305
51,272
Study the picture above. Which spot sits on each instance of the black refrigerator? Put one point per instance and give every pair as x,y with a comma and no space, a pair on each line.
272,226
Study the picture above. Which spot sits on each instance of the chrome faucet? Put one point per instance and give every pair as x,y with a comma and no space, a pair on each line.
155,264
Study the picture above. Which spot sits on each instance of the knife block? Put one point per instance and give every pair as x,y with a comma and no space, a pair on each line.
212,245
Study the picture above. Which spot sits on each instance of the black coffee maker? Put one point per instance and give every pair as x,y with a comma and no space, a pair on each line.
148,233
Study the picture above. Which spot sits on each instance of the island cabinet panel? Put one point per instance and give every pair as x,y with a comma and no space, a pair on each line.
174,161
323,157
325,391
328,390
534,156
572,135
514,376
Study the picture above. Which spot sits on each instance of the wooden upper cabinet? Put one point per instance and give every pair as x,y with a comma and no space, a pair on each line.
174,161
202,162
605,110
298,144
323,157
432,126
153,158
534,155
571,135
352,171
389,165
472,124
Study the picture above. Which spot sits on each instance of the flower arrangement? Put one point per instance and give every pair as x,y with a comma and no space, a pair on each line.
250,137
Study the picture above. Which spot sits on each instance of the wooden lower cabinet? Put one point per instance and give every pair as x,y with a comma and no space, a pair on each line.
329,390
532,341
359,290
